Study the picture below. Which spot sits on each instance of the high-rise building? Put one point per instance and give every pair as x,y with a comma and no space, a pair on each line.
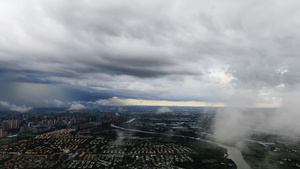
30,124
5,125
3,133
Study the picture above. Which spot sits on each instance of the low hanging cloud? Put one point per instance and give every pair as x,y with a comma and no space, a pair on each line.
76,107
285,119
12,107
53,103
114,101
163,110
234,125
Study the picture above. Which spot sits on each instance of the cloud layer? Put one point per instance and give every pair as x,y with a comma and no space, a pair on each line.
77,106
164,110
11,107
171,50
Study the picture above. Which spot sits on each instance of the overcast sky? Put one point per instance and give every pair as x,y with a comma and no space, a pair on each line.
57,52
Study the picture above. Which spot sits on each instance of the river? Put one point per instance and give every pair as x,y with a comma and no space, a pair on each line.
233,153
236,156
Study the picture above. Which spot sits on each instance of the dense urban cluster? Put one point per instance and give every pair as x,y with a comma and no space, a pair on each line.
87,140
65,149
129,154
43,122
137,138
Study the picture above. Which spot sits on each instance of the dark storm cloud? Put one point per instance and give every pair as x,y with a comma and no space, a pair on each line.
118,65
